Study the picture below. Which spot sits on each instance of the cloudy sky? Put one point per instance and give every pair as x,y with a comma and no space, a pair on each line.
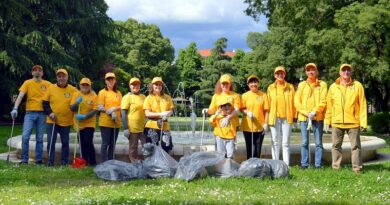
185,21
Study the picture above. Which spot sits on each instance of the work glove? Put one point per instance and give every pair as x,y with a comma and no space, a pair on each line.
164,115
362,129
101,108
250,115
265,127
126,133
14,113
79,99
326,128
80,117
113,116
110,110
311,115
204,111
52,116
225,122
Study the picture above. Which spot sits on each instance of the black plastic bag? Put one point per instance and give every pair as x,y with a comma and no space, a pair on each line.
255,167
119,171
225,168
159,163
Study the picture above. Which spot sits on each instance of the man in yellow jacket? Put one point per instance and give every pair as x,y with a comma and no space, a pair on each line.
346,112
310,103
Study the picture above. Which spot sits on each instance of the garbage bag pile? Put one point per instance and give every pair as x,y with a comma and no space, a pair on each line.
158,163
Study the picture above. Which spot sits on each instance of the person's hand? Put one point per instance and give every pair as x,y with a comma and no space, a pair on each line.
126,133
113,116
14,113
52,116
79,99
205,111
110,110
101,108
80,117
311,115
326,128
250,115
362,129
265,127
225,122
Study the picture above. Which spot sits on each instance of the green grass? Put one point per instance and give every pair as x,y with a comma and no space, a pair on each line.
5,133
42,185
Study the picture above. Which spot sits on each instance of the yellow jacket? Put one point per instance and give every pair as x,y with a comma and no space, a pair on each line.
288,94
346,105
229,132
311,97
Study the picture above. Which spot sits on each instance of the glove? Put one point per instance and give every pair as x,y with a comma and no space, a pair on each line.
311,115
14,113
52,116
204,111
80,117
225,122
265,127
250,115
362,129
79,99
126,133
101,108
113,116
326,128
110,110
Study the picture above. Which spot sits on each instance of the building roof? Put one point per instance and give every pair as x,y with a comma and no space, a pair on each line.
207,52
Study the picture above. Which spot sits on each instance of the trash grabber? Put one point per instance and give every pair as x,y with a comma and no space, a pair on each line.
113,147
309,126
252,137
161,132
10,139
203,121
51,139
78,162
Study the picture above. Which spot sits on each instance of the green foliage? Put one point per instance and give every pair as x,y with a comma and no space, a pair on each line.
380,122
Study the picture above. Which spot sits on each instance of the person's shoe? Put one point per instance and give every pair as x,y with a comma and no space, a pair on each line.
50,164
303,167
64,164
39,162
318,167
358,172
23,163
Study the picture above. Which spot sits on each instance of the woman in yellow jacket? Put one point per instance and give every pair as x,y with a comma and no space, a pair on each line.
281,116
86,99
133,117
347,113
255,109
109,105
158,106
310,102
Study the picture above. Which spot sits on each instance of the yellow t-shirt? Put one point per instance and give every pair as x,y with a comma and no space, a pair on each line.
88,104
280,102
229,132
134,104
256,103
156,103
231,97
34,91
59,99
108,99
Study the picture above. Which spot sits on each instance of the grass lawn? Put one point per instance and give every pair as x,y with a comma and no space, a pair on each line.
42,185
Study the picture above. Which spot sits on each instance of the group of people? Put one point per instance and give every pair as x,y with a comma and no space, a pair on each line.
145,119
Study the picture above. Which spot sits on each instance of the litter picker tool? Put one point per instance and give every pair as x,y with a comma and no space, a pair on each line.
78,162
10,139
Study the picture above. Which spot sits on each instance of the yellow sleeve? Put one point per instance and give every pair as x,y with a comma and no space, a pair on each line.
74,98
294,111
147,105
213,105
322,104
237,101
125,104
298,100
243,101
266,102
212,120
362,107
171,105
329,104
24,86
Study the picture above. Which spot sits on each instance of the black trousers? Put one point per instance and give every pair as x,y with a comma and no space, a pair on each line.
87,147
258,138
109,137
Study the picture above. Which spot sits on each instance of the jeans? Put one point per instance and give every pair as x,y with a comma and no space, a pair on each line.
86,145
51,142
317,127
281,131
31,119
258,138
109,137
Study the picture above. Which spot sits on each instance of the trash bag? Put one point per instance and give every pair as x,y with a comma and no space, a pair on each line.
119,171
255,167
278,168
158,163
193,166
225,168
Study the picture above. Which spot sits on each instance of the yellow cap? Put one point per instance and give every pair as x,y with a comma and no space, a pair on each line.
224,101
37,66
109,75
157,79
85,81
310,65
280,68
251,77
133,80
226,78
61,70
345,65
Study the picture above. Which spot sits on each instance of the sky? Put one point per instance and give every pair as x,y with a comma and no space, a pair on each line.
186,21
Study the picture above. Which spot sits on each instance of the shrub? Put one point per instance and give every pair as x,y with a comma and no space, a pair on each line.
380,122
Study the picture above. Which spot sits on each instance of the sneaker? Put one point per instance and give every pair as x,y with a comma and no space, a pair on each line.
318,167
23,162
50,164
39,162
303,167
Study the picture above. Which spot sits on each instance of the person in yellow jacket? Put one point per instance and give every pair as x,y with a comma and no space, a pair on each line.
34,89
281,115
56,104
310,103
158,106
255,109
224,90
86,101
347,113
225,134
109,106
133,117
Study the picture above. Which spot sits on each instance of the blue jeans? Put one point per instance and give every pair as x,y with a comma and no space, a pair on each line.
51,141
317,127
31,119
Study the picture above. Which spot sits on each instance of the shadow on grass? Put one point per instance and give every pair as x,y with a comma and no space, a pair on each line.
376,167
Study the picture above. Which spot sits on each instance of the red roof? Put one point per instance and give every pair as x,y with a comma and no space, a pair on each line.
207,52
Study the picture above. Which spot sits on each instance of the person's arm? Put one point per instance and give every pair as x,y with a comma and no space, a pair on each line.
298,100
329,105
124,119
91,114
362,108
19,99
320,107
150,114
46,107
